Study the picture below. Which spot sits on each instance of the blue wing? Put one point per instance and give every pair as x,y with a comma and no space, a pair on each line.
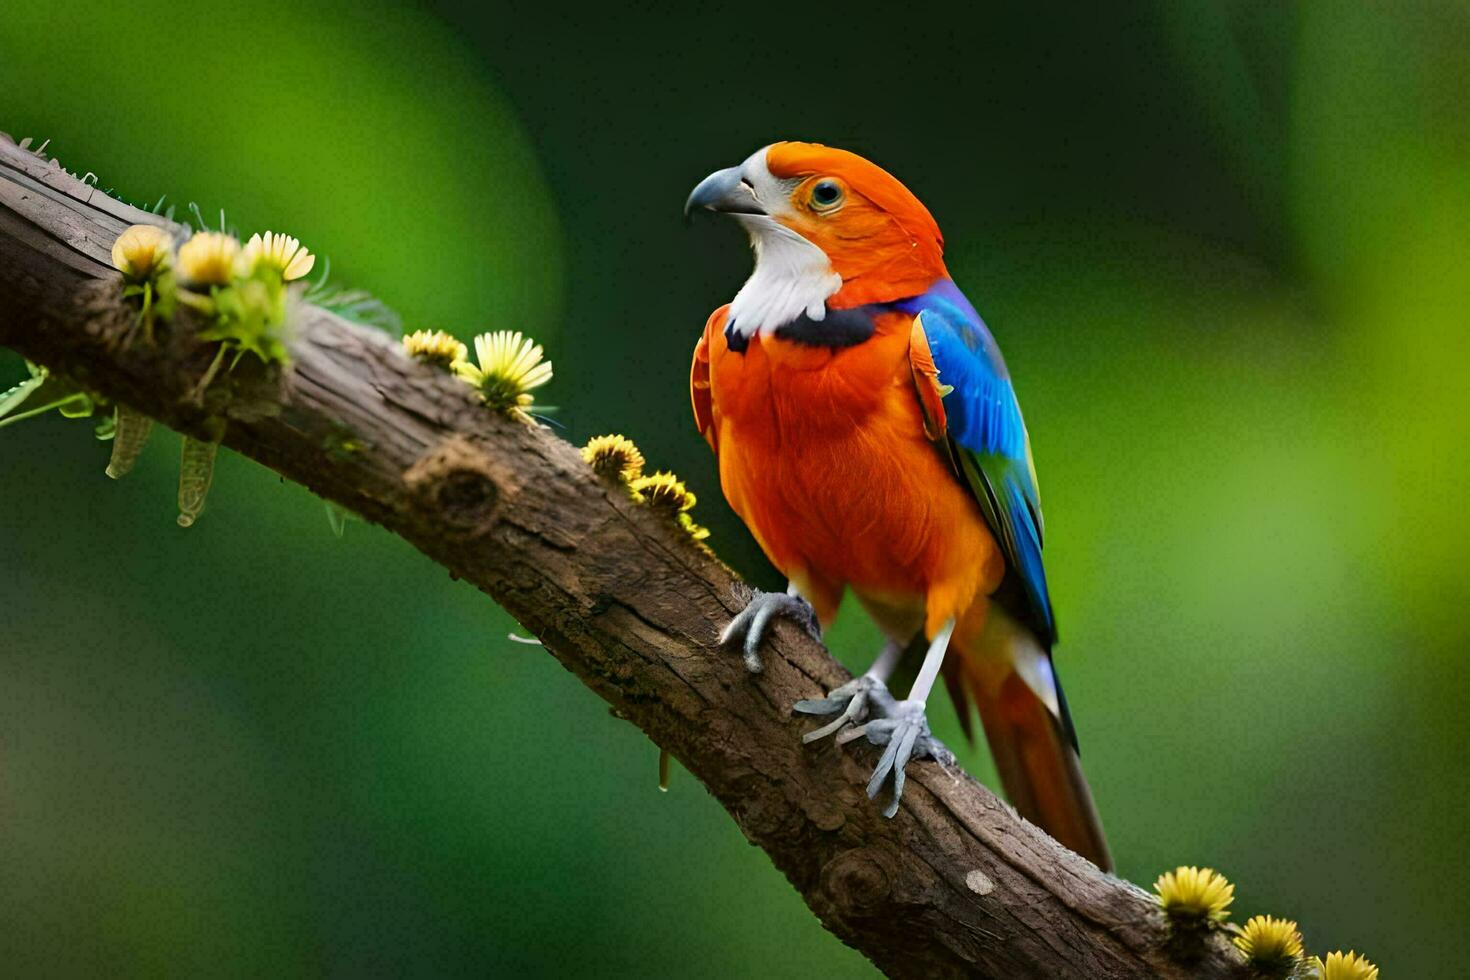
988,442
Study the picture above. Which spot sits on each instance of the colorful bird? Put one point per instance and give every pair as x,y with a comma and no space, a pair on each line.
868,434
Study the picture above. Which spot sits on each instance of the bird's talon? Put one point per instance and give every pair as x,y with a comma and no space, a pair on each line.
850,702
906,736
854,710
749,625
819,706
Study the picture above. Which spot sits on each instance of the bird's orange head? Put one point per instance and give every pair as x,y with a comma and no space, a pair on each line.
829,229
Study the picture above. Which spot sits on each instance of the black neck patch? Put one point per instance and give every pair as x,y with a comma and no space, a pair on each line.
839,328
735,340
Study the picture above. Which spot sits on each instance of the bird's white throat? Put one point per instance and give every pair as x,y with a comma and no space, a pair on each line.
792,277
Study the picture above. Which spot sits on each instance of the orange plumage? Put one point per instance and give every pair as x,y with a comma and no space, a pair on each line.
797,429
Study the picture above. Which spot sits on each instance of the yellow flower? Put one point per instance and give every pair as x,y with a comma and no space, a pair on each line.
280,252
210,258
510,366
1269,940
696,531
664,491
613,457
1348,966
142,252
1194,895
435,347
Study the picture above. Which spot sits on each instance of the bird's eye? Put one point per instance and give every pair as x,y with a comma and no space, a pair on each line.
826,195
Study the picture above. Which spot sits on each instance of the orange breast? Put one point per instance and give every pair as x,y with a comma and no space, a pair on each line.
822,452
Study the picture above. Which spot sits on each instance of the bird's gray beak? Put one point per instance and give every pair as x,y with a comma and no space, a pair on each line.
724,190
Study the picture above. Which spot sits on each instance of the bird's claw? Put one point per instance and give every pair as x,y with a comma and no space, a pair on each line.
749,626
906,734
851,703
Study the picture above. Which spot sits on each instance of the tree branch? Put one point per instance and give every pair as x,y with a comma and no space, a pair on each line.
956,884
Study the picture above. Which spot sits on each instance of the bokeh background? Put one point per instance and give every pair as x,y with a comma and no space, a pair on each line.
1225,246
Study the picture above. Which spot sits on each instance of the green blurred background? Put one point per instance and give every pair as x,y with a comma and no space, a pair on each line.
1225,246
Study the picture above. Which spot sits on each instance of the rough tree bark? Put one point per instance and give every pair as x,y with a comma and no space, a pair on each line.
956,884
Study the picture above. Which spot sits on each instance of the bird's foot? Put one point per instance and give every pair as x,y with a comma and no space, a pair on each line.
748,628
851,703
905,732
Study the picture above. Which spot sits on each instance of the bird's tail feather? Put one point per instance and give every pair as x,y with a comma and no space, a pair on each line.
1039,766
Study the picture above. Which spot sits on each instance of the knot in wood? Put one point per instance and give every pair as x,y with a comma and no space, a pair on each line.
859,881
462,487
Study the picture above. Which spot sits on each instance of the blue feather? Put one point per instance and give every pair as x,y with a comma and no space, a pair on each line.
989,442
